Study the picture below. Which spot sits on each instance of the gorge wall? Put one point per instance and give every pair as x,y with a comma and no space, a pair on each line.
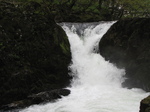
127,44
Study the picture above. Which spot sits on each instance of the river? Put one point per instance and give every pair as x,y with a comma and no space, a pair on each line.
97,84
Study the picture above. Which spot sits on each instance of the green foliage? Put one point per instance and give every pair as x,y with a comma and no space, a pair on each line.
25,0
116,9
135,8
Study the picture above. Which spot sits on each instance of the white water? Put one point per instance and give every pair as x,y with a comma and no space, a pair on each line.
96,86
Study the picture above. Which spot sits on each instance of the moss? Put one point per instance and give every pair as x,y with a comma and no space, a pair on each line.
61,39
146,100
64,48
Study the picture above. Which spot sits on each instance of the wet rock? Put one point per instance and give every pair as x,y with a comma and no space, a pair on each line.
145,105
15,105
34,52
127,45
48,95
42,97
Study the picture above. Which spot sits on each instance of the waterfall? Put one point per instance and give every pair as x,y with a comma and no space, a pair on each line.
96,84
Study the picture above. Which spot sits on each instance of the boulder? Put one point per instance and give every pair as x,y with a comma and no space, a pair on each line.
145,105
34,52
42,97
127,45
47,96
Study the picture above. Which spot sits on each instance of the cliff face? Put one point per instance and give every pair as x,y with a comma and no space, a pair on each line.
127,44
34,52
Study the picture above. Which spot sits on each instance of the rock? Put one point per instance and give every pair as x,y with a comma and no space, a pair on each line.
48,95
127,45
147,109
15,105
42,97
145,105
34,52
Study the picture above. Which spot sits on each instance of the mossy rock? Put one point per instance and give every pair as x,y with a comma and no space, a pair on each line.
34,52
127,44
145,105
146,100
147,109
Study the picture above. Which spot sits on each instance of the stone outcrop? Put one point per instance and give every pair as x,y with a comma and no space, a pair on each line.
42,97
34,52
127,45
145,105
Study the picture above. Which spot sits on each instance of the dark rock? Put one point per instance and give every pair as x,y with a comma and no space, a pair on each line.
42,97
145,105
16,105
127,45
48,95
34,52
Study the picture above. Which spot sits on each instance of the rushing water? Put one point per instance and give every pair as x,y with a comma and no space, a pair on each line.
96,86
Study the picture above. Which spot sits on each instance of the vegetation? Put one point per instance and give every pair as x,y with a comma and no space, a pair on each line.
65,10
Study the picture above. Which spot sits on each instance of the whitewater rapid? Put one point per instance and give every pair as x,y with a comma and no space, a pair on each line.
96,86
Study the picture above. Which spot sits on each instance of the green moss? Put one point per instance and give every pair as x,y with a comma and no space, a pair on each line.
146,100
65,48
